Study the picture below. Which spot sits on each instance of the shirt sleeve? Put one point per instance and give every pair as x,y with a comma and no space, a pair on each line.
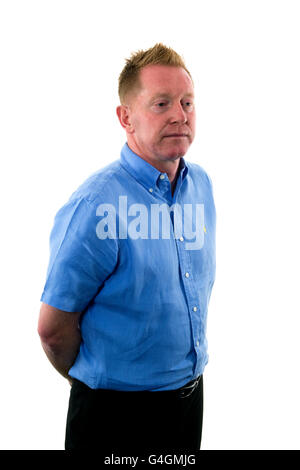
79,262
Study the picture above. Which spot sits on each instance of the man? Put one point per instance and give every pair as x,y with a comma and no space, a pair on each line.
131,270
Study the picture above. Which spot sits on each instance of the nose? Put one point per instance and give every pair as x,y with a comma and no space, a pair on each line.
178,115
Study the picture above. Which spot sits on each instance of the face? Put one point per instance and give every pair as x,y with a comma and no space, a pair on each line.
160,118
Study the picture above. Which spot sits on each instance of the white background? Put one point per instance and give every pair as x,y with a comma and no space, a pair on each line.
60,61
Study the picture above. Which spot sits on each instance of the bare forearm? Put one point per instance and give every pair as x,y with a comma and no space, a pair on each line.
60,336
63,351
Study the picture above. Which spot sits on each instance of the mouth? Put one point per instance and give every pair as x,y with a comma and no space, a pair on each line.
176,136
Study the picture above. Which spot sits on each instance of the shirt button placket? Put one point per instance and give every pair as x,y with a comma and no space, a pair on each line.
194,308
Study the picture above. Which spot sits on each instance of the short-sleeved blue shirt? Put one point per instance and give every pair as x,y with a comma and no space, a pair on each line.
139,263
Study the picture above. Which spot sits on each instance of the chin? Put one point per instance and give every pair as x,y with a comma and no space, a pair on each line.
175,156
176,152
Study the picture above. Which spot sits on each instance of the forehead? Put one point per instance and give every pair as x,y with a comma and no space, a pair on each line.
165,80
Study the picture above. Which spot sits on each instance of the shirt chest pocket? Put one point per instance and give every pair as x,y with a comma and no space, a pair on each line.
203,263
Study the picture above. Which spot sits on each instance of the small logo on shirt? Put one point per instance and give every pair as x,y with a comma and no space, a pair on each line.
155,221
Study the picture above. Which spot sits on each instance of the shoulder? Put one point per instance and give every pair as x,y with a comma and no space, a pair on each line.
196,172
98,184
99,187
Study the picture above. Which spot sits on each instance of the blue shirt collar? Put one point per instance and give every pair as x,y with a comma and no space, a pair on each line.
142,171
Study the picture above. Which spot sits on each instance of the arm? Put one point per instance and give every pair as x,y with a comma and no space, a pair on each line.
60,336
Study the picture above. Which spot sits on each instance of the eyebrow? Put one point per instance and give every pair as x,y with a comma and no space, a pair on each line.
167,95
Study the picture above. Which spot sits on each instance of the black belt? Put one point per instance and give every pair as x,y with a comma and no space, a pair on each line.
189,388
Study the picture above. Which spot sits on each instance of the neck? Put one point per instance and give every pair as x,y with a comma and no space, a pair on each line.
170,167
164,166
173,183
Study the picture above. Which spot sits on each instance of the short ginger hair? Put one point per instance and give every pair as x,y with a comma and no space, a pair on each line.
156,55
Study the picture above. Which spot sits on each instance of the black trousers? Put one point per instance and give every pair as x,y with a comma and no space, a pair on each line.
110,420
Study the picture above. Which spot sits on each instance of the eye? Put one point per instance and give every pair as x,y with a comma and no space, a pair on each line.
161,106
189,105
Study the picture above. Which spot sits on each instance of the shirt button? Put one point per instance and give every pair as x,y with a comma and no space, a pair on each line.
187,274
197,343
195,309
181,239
150,190
162,177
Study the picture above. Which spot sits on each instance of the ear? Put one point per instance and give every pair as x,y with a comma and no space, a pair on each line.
124,115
